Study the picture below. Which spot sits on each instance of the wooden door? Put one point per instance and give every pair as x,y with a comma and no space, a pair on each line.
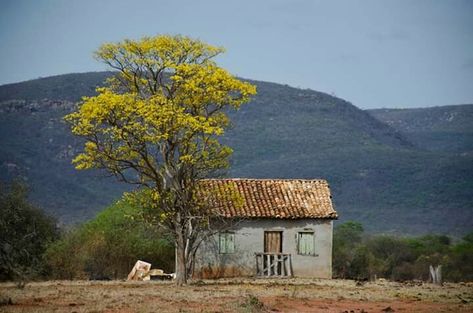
273,241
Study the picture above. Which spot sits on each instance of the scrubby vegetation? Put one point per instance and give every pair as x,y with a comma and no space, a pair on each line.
366,257
25,232
108,246
32,247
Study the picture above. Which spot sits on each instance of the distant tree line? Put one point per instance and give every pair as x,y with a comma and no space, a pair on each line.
32,247
361,256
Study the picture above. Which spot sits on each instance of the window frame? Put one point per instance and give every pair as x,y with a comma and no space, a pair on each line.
223,249
299,241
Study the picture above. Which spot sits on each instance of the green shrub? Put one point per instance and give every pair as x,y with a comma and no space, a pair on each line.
460,265
108,246
346,238
67,256
25,232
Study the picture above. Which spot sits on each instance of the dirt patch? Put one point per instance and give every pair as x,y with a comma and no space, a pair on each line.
350,306
237,295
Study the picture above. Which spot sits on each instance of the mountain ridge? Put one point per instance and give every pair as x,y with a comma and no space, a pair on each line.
379,174
446,128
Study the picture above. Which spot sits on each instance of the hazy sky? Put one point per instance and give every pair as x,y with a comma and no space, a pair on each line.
371,53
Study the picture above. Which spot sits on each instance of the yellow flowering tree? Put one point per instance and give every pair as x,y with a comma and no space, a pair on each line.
156,125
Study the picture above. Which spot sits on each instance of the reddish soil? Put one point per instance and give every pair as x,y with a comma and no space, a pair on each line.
351,306
236,295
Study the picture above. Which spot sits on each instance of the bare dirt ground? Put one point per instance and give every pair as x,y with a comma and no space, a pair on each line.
236,295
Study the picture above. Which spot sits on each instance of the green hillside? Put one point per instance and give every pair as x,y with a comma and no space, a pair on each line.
379,174
446,128
38,146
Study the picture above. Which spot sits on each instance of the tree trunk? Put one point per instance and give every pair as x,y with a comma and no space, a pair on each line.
181,268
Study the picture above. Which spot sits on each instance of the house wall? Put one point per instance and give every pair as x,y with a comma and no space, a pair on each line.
249,239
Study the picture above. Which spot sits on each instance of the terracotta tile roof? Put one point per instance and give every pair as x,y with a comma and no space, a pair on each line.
270,198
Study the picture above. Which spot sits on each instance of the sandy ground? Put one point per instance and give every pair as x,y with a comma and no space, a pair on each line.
236,295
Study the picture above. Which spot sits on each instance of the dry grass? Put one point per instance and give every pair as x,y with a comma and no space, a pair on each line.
236,295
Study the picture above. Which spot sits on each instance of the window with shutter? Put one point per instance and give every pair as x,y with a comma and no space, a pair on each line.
306,243
226,243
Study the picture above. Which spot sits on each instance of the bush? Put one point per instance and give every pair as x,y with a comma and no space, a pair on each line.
460,265
391,252
108,246
346,238
25,232
365,257
67,256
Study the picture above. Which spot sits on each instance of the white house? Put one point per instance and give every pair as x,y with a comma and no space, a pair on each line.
283,228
